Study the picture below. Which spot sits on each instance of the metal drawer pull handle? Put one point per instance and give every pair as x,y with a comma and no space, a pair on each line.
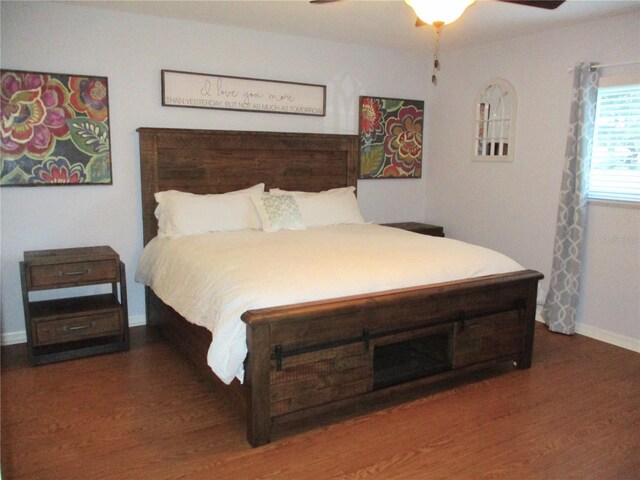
72,328
77,272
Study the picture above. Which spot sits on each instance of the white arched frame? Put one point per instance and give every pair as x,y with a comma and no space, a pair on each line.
495,122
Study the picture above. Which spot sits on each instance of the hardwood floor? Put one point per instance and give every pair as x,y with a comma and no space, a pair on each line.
146,414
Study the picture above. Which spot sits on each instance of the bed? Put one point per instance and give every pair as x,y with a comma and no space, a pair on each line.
309,358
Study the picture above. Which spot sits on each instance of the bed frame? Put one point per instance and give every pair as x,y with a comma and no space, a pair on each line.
317,357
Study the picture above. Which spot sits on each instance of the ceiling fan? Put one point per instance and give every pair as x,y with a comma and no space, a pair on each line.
546,4
442,12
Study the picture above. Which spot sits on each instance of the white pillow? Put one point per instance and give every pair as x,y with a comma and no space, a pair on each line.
181,214
278,212
330,207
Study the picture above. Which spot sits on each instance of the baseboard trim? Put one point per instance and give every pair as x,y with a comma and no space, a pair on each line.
623,341
606,336
13,338
616,339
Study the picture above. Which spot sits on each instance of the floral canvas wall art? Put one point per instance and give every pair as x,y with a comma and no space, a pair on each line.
54,129
391,137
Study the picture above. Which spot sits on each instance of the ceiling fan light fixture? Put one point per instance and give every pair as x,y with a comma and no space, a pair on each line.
439,12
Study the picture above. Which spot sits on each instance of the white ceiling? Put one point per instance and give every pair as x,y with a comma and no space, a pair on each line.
380,23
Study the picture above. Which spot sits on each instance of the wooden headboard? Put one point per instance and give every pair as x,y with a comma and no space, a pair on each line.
219,161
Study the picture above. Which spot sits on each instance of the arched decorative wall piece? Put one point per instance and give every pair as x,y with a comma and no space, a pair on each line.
495,122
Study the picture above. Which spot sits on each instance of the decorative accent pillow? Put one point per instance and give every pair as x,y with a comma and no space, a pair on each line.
330,207
181,214
278,212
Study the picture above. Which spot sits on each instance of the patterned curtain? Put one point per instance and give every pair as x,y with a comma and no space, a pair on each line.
561,306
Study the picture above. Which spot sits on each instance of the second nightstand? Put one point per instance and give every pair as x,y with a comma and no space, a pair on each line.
423,228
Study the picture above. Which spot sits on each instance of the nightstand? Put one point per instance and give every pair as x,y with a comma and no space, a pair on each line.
423,228
76,326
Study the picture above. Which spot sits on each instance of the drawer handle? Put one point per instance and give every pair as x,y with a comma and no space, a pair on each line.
77,272
74,328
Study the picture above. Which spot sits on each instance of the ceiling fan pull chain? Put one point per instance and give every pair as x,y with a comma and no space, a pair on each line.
436,54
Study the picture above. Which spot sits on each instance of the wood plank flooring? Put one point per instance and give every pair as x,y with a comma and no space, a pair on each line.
146,414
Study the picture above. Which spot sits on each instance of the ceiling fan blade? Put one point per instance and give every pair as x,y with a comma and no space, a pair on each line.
324,1
547,4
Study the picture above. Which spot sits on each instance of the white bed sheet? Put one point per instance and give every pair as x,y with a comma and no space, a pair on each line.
212,279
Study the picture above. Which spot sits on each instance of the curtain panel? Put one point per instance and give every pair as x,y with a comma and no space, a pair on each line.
561,306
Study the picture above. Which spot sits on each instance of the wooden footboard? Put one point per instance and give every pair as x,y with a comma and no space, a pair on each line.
321,356
307,357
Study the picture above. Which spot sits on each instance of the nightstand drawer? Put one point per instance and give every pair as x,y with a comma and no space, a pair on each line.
78,328
80,273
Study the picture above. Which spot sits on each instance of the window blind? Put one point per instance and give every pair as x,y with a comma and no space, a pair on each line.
615,162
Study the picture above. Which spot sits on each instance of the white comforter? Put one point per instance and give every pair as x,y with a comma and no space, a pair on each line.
212,279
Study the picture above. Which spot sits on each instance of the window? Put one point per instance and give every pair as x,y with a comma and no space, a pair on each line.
495,120
615,162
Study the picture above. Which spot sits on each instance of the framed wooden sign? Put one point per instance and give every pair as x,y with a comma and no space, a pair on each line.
201,90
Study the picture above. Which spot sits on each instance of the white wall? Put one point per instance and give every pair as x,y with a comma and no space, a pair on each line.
512,207
131,50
